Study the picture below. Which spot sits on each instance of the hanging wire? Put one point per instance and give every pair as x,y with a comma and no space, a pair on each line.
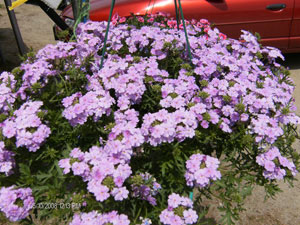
148,7
191,194
185,31
177,13
106,33
153,6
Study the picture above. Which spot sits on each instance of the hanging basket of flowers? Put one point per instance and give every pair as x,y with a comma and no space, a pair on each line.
124,136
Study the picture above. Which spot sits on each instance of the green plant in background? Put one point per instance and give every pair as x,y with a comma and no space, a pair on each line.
81,10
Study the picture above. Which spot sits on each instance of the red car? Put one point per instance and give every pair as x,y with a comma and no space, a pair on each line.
277,21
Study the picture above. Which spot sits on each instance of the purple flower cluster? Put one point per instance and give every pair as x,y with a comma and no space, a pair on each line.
233,86
106,169
126,80
16,203
266,127
166,127
105,175
7,95
7,161
145,187
201,169
179,212
177,93
36,72
95,218
225,95
124,136
275,165
223,89
93,103
244,92
43,67
26,126
61,50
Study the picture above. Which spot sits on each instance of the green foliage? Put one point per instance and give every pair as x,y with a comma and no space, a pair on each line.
81,10
63,34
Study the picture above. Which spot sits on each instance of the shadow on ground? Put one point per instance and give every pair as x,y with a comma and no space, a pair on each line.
9,49
292,61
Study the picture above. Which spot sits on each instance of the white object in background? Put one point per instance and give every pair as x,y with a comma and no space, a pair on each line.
52,3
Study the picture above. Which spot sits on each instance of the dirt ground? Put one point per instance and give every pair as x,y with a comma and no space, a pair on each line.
36,29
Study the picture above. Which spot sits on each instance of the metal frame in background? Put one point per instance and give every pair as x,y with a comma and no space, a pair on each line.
51,13
16,30
75,8
13,20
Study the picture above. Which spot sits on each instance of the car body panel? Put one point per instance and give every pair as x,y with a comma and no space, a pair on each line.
295,28
229,16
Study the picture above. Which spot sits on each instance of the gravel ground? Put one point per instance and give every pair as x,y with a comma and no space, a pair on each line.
36,29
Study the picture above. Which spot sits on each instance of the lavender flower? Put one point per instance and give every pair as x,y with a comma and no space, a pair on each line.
94,103
275,165
27,127
201,170
179,211
16,203
95,218
104,175
7,162
7,92
145,187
